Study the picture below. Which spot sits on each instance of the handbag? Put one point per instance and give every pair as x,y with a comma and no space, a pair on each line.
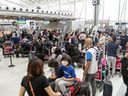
31,88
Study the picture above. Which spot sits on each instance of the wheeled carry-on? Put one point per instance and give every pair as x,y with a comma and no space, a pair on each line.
84,88
107,88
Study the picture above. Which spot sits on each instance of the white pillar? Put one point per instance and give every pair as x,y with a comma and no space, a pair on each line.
96,11
74,8
119,10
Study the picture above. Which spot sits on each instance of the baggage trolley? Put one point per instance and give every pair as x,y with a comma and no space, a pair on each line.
118,65
100,76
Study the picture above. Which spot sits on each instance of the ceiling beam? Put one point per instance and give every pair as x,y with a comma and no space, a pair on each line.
21,5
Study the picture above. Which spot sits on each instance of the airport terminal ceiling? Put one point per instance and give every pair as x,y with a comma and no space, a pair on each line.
83,8
36,3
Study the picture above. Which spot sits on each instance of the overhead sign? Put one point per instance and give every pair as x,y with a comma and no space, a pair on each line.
5,22
21,20
121,23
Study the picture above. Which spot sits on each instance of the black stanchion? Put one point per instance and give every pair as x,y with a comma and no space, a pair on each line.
11,61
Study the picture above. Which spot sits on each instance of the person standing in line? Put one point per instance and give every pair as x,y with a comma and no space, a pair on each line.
91,64
35,83
101,43
111,53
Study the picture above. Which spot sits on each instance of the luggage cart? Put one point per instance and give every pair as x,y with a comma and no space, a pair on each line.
100,76
118,65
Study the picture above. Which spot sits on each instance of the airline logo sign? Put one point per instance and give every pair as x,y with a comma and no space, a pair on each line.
6,22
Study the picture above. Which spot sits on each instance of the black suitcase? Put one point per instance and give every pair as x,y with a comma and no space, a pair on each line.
84,89
107,88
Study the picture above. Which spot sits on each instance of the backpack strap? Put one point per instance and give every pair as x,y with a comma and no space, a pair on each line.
96,49
30,84
97,53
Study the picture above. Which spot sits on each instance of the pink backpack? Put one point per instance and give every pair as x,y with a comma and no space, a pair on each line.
103,61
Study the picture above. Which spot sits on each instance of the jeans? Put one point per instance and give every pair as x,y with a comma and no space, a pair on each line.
60,85
111,61
91,78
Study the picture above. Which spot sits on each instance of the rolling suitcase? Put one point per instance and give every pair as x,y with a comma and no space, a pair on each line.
107,88
84,88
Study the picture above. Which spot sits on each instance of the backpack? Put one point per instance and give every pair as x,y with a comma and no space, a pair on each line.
97,53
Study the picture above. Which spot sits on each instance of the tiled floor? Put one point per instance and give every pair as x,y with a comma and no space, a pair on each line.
11,77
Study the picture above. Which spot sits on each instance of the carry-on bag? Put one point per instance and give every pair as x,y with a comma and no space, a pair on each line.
107,88
84,88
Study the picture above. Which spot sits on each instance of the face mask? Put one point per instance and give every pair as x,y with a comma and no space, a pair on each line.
53,71
65,63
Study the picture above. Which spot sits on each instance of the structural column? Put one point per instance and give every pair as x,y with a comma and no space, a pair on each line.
96,11
74,8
